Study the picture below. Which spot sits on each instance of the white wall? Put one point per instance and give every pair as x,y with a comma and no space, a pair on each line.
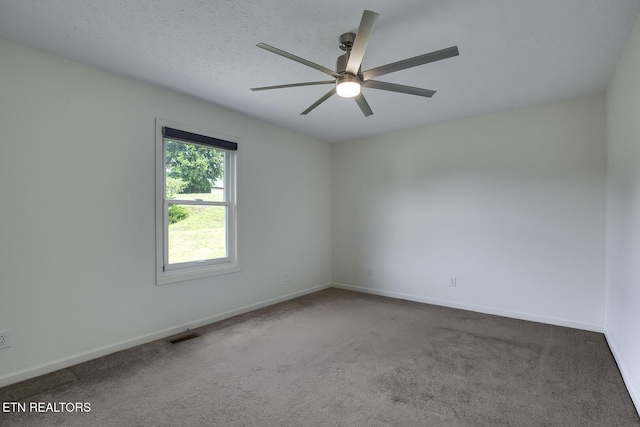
623,214
512,204
77,254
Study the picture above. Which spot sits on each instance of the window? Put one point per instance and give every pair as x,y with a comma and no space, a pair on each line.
195,206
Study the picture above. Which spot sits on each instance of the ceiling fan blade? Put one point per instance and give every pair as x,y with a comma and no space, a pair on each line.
297,59
411,62
324,82
319,101
363,104
367,24
392,87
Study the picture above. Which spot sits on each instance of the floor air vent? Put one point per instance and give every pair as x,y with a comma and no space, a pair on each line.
184,338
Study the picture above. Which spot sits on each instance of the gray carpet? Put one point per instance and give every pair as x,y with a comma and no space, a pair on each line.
338,358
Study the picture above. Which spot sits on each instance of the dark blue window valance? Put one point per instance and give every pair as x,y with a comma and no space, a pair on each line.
200,139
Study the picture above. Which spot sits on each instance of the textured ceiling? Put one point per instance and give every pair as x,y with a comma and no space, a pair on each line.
512,52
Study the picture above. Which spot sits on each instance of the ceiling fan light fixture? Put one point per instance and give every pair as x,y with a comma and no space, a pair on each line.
348,86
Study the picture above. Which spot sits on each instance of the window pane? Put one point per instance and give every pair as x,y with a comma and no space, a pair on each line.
197,233
218,184
193,172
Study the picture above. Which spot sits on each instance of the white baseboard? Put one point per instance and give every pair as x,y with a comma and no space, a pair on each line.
476,308
66,362
633,392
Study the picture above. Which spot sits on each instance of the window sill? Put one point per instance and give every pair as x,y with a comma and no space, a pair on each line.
192,273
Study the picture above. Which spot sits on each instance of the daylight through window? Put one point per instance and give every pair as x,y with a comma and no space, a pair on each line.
198,204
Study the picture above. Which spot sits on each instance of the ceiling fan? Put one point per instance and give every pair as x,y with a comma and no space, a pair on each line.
349,78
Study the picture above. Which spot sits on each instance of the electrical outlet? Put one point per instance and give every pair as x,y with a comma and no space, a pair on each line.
369,272
5,339
286,277
452,282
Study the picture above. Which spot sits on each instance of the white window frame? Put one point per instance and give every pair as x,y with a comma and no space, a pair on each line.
165,273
